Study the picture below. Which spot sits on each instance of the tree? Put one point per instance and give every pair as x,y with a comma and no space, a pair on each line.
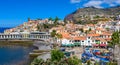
56,55
37,61
115,40
58,58
87,31
53,33
73,61
90,29
81,30
88,62
97,16
50,18
38,27
56,20
59,36
45,26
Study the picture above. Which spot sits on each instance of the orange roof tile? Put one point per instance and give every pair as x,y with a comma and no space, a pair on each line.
79,38
66,35
93,35
108,39
99,29
106,33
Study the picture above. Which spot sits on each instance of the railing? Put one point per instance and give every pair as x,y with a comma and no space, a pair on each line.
24,36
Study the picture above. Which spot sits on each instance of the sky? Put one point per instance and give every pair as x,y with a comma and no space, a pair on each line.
15,12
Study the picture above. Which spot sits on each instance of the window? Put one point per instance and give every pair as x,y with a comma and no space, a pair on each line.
88,41
75,40
104,42
88,37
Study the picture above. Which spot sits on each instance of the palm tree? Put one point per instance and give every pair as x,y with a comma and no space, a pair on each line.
56,20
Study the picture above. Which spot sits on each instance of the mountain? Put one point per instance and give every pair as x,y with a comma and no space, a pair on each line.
3,28
89,13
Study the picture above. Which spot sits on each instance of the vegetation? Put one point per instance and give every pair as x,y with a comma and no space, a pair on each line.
46,26
50,18
59,36
88,62
91,13
86,22
57,58
74,61
53,33
115,39
56,55
56,20
112,63
81,30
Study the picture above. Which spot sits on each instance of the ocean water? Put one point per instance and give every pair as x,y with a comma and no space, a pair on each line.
14,55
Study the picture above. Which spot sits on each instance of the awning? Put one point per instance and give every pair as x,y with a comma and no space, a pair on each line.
77,44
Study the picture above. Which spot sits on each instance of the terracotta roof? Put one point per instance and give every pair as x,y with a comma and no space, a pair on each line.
108,39
106,33
79,38
66,35
93,35
100,39
99,29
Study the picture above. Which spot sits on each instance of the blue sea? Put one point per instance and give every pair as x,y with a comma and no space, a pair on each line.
14,55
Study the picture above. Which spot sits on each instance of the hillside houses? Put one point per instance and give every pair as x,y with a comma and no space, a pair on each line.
30,26
73,34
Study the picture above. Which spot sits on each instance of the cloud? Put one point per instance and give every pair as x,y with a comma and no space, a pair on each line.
75,1
109,1
118,1
112,5
112,1
94,3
